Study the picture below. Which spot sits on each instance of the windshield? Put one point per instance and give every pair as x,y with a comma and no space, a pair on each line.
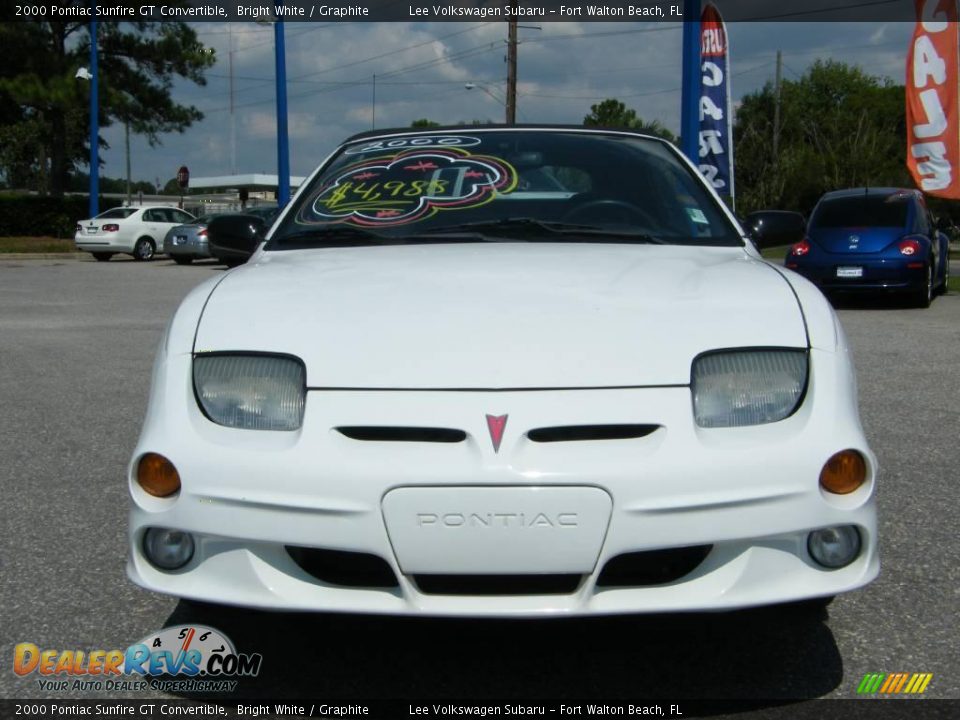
519,185
116,214
862,211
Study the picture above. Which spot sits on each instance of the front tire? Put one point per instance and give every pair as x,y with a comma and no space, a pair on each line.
102,256
144,250
183,259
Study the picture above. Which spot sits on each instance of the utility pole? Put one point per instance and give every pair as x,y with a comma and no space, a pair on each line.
512,68
373,105
776,109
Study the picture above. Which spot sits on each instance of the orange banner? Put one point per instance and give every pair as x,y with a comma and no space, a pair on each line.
933,126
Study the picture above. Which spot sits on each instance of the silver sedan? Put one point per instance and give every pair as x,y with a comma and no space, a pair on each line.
186,243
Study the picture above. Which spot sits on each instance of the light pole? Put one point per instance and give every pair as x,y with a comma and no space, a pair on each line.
283,144
283,147
94,206
471,86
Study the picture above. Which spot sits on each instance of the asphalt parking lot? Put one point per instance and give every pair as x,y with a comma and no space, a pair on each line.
77,340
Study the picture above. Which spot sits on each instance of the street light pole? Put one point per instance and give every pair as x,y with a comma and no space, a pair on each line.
283,148
94,206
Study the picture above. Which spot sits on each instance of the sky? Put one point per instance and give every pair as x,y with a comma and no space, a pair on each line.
423,70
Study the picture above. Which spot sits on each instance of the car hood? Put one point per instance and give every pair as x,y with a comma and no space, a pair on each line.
507,315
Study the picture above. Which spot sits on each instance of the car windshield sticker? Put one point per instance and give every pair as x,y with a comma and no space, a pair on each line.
430,141
407,187
696,214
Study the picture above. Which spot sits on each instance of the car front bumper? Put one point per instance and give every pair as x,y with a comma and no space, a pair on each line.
750,494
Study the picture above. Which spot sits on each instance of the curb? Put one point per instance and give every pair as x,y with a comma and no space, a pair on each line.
40,256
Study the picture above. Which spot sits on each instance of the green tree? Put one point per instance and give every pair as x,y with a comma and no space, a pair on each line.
424,123
613,113
137,65
839,127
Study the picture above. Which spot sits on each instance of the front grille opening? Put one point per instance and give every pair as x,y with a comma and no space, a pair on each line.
373,433
498,584
344,568
652,567
572,433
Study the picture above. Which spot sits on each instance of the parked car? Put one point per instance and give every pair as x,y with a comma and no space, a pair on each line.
432,391
186,243
137,231
233,238
874,240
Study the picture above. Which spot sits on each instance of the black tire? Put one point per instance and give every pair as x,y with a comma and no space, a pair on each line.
102,256
144,250
942,290
182,259
924,296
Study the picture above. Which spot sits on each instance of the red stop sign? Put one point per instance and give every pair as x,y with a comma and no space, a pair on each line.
183,176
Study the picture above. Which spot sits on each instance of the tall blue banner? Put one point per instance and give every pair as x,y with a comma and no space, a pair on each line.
715,155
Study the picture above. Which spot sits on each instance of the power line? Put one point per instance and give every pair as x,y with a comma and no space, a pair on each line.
264,82
486,47
641,94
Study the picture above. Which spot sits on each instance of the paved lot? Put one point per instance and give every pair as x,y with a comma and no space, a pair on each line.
77,340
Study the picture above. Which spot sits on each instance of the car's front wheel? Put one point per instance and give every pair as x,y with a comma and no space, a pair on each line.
183,259
144,249
102,256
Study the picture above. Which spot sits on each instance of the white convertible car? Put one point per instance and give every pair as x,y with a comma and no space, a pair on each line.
506,372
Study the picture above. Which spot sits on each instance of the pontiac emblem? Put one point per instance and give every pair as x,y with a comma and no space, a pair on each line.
496,425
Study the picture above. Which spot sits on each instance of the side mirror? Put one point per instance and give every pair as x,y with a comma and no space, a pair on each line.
771,228
234,238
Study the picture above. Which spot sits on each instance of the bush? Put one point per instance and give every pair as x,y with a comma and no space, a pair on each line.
35,216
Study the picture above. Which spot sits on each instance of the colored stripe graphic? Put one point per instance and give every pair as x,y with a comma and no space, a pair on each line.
894,683
871,683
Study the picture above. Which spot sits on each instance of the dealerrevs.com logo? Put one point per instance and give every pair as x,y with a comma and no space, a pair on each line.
894,683
186,657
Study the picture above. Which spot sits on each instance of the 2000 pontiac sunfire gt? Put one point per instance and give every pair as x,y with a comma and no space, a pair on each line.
504,371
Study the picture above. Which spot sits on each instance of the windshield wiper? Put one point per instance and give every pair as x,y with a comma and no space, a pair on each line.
524,226
483,231
331,235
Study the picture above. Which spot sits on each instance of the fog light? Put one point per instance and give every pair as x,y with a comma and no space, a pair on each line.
168,549
834,547
844,472
157,475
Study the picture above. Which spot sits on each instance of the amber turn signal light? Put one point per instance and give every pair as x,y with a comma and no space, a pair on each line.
844,472
157,475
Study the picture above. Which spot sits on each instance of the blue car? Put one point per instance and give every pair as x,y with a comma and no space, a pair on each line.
871,240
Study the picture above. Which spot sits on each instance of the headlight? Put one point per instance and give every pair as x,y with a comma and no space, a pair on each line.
253,392
747,387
